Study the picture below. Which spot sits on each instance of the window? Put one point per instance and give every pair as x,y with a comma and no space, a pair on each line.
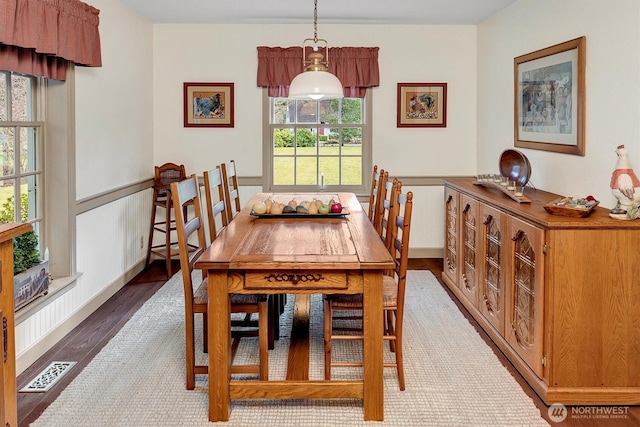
317,144
21,150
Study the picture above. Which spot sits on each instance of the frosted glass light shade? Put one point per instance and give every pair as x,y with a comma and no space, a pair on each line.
315,85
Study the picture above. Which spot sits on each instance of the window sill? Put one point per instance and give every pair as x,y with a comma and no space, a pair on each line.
57,286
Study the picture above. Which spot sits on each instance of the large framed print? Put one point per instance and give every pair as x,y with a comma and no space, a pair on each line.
549,89
422,105
208,105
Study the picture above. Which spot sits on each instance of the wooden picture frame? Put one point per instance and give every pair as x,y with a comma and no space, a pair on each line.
422,105
549,98
208,105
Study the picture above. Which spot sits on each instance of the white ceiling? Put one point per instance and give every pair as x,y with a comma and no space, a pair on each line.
395,12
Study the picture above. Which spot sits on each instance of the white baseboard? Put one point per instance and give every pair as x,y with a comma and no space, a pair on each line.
44,344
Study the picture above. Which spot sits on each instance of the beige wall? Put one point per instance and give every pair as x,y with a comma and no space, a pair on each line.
227,53
612,30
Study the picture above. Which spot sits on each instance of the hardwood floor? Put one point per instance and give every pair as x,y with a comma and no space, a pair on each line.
85,341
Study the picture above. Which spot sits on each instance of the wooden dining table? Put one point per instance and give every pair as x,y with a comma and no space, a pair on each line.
296,254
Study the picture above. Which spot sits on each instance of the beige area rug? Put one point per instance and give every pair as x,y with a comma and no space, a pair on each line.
452,376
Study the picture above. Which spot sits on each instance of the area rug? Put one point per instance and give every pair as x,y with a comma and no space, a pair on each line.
452,377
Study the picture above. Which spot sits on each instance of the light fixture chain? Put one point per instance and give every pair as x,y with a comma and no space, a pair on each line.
315,21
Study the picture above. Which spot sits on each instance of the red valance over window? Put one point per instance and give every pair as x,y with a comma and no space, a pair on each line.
355,67
38,37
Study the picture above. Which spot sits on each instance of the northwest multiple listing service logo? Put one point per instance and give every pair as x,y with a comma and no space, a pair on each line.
558,412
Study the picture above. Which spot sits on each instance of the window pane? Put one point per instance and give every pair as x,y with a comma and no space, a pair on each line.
307,111
20,102
330,141
352,138
306,171
3,96
284,111
351,171
29,153
306,138
283,169
283,140
329,111
352,110
29,197
7,211
330,167
7,144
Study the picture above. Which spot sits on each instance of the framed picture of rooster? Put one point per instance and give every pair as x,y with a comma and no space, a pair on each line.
549,89
422,105
208,104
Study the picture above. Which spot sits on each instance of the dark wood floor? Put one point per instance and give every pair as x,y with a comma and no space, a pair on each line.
85,341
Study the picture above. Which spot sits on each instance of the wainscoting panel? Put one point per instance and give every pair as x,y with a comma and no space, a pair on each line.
111,245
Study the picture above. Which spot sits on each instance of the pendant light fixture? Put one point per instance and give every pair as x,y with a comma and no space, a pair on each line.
315,82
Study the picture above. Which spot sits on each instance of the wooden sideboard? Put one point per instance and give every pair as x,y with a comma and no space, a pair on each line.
8,392
560,296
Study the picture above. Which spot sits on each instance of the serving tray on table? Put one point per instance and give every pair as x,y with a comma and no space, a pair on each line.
299,215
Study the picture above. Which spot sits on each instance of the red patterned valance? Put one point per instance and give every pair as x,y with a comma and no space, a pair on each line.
37,36
355,67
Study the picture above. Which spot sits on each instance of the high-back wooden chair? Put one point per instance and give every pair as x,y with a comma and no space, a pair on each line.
386,211
373,192
215,202
185,194
231,191
217,210
394,284
163,177
382,203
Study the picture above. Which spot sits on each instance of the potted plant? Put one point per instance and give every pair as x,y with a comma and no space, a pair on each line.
31,274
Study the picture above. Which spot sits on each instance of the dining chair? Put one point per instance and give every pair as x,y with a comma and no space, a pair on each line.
373,192
382,202
164,175
386,221
231,191
187,193
215,202
394,283
217,220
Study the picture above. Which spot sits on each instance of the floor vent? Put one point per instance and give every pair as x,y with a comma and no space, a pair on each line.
48,377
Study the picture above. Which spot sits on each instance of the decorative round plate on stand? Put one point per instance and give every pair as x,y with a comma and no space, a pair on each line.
516,166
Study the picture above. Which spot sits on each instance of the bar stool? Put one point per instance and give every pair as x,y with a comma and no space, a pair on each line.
164,176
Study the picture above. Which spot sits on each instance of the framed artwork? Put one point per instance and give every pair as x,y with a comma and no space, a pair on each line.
208,105
422,105
549,89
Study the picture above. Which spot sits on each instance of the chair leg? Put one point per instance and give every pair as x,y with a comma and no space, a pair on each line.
398,348
263,332
151,227
168,234
190,354
327,339
273,319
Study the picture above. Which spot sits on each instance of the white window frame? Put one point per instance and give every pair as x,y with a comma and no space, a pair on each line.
367,152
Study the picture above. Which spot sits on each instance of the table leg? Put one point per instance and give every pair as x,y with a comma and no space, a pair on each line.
219,346
373,347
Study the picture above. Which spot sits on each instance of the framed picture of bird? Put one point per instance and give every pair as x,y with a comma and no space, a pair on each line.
208,104
549,89
422,105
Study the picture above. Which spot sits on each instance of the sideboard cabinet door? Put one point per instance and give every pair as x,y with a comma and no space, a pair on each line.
469,238
493,266
524,298
451,252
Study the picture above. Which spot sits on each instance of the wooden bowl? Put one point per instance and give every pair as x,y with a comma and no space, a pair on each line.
516,166
577,212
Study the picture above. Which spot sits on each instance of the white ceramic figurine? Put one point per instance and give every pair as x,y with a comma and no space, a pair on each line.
626,187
